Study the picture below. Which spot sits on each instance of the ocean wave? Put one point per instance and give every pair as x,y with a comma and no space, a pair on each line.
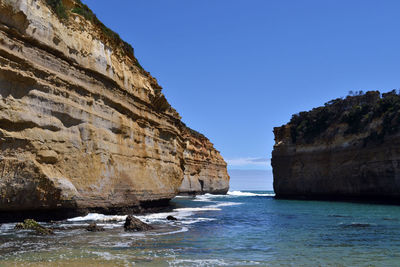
225,204
197,220
182,230
98,217
205,197
182,211
215,207
182,214
249,194
212,198
185,216
7,226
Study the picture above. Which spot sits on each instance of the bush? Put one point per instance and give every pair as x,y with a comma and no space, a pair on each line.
58,8
357,111
85,11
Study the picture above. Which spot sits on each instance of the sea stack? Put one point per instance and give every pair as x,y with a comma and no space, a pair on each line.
347,149
82,125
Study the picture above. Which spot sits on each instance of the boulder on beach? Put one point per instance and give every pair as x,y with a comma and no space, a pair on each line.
134,224
171,218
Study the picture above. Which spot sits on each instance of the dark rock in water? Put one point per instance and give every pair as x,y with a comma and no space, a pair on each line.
134,224
19,226
30,224
94,228
171,218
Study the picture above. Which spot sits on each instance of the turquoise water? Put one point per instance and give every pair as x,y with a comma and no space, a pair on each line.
241,229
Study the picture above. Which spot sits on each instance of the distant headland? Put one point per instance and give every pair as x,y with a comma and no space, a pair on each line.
347,149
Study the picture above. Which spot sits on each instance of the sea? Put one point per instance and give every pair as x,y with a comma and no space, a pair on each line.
242,228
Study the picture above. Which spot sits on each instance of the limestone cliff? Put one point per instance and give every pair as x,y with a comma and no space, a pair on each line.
347,149
205,170
82,125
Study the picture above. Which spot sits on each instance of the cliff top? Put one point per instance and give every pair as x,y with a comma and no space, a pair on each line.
64,8
372,112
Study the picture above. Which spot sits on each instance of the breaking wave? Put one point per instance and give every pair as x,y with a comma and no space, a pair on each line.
248,194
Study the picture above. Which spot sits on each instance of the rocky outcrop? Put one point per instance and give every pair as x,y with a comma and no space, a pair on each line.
93,227
348,149
30,224
136,225
205,170
82,125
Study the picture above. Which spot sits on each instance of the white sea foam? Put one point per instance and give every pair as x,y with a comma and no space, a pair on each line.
225,204
156,217
98,217
197,220
230,194
249,194
191,210
183,229
7,226
184,215
204,198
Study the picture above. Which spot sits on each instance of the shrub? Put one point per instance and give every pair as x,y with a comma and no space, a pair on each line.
357,110
58,8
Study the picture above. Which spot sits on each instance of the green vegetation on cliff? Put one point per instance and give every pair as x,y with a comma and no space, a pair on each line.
62,13
357,112
58,7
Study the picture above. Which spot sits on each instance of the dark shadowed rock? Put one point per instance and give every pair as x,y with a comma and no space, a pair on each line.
171,218
134,224
94,228
348,149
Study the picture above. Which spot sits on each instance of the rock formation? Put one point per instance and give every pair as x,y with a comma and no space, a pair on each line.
205,170
93,227
347,149
134,224
82,125
30,224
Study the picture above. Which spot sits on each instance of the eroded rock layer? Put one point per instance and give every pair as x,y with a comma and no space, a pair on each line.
348,149
82,125
205,171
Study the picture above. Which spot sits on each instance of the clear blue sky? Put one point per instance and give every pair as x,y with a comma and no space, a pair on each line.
234,69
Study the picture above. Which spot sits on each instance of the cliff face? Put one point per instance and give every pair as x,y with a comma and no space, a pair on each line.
205,170
82,125
350,148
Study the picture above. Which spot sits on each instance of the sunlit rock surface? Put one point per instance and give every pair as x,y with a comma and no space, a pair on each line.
83,126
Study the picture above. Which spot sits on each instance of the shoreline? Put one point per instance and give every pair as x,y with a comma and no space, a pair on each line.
48,215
